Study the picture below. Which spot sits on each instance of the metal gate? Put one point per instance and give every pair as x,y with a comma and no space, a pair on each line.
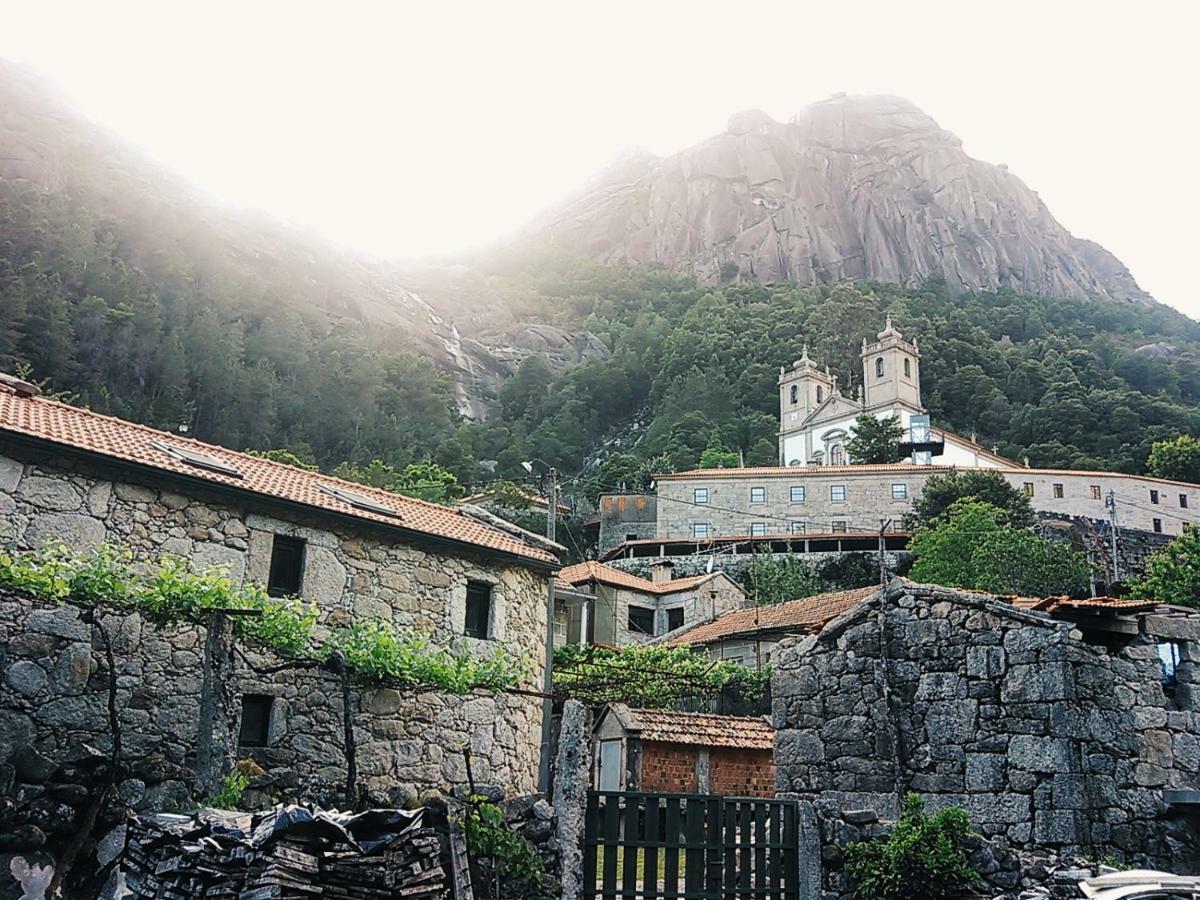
648,846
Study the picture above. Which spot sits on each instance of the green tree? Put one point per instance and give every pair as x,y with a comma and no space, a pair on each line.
970,547
1177,459
777,578
718,458
286,457
875,440
1173,574
617,471
943,491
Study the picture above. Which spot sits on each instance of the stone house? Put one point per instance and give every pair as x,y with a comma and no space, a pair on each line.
749,636
76,477
682,752
1068,724
628,609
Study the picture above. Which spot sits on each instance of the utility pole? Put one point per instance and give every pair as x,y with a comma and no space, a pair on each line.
544,775
1111,502
552,502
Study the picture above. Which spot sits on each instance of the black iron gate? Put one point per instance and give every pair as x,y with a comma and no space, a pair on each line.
644,846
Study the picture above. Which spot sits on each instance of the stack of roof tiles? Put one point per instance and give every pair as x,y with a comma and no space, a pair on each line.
699,729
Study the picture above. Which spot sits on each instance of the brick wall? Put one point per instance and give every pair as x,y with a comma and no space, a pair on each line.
669,767
741,773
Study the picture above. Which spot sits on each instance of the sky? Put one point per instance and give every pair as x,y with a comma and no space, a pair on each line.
408,129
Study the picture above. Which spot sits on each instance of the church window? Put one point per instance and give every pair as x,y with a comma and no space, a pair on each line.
758,495
795,394
837,493
818,393
879,367
797,493
700,496
1058,492
1028,488
837,455
907,369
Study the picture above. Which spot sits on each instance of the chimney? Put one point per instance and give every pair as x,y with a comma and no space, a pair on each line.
19,386
661,571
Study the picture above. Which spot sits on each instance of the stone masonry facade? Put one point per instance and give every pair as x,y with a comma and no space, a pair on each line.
1045,739
52,689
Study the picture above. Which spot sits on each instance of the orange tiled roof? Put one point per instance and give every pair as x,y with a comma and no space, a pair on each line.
127,442
808,614
1115,604
703,729
583,572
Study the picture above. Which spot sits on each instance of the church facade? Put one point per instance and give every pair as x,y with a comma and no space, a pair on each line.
816,419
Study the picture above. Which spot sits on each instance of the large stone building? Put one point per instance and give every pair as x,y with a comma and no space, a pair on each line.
1068,724
72,476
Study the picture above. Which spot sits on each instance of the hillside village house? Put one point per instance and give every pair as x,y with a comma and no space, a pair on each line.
626,609
74,476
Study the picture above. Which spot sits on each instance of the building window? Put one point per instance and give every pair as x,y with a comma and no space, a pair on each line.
879,367
641,620
674,618
700,496
1158,526
837,455
256,720
630,537
899,491
479,610
798,528
837,493
1153,496
758,495
699,529
797,493
1029,489
795,394
1168,659
287,566
1058,492
839,527
818,394
1183,501
1095,492
907,369
758,529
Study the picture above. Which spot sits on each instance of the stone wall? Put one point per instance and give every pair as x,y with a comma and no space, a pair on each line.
1043,738
737,565
53,681
623,516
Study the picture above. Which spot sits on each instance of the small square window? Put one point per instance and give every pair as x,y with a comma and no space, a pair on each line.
1183,501
1095,492
839,527
798,528
758,529
255,729
837,493
641,620
1058,492
899,491
1153,496
478,623
700,496
1158,526
1028,489
674,618
758,495
797,493
630,537
699,529
287,566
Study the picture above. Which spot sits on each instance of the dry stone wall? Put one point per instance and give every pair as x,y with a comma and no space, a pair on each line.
1044,739
52,681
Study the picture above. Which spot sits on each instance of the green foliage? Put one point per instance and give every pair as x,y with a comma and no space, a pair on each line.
515,862
923,857
942,491
718,458
777,578
287,457
381,655
648,675
425,481
1177,459
874,440
618,471
230,794
1173,574
970,547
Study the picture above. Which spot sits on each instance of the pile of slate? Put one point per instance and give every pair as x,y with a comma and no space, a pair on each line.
295,852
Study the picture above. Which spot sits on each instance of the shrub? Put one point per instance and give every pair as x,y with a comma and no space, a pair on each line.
923,857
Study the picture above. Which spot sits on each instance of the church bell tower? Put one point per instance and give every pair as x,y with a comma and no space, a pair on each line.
892,371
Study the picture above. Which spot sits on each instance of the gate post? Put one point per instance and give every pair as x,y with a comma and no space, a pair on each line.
809,857
572,778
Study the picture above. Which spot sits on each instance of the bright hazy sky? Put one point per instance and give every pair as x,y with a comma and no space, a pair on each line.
408,128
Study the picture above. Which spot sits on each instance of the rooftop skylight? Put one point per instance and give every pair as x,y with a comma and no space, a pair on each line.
357,500
197,458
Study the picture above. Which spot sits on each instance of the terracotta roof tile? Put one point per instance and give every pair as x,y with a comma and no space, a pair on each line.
583,572
1052,604
116,439
702,729
808,614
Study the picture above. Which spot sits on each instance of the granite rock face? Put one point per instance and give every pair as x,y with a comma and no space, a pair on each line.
851,188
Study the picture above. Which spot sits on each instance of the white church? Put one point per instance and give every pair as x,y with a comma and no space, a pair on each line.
816,419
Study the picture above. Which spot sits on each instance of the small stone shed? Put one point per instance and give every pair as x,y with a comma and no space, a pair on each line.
683,752
1065,724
